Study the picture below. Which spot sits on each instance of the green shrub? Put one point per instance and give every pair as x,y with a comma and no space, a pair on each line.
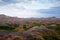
6,28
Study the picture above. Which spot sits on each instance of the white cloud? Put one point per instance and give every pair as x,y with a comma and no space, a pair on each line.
57,3
13,11
34,5
0,0
25,8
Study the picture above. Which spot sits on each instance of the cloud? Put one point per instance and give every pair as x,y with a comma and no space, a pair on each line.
28,8
13,11
54,11
30,4
4,2
0,0
57,4
57,0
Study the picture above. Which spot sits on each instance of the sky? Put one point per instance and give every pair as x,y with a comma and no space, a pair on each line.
30,8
